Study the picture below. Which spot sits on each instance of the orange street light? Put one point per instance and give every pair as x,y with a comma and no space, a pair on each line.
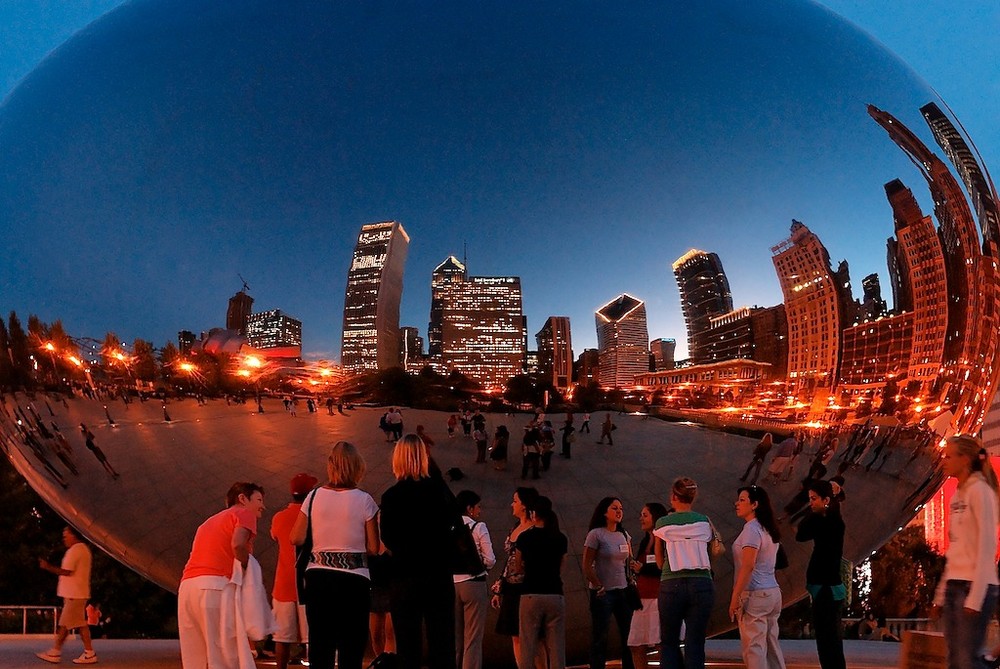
245,373
253,361
188,367
49,347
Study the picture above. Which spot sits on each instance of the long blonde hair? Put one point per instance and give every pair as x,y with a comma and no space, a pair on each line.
972,448
410,459
346,467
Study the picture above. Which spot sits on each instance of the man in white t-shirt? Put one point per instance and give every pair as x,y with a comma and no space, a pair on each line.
74,588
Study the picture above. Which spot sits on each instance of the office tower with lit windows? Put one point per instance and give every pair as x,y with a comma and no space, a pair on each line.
270,330
872,305
587,369
770,339
185,341
924,293
704,291
240,307
663,351
371,303
622,341
411,347
975,177
481,326
445,275
812,307
972,337
751,333
555,351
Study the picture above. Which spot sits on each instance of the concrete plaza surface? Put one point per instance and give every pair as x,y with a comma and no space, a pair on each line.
16,653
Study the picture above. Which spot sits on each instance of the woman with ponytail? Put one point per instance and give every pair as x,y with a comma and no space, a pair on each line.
967,592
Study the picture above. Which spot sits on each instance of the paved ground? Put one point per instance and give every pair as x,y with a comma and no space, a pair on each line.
164,654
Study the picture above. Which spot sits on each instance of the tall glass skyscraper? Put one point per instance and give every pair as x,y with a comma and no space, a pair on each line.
705,293
371,302
622,341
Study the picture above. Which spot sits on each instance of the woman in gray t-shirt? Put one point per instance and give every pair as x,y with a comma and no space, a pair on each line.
756,601
605,553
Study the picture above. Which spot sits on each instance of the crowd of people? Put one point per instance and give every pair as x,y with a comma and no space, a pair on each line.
658,591
359,577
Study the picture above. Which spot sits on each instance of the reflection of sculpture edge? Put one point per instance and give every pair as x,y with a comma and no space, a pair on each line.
114,514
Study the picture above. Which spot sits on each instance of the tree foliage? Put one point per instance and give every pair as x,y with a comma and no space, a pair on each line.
19,350
143,360
588,397
523,389
904,574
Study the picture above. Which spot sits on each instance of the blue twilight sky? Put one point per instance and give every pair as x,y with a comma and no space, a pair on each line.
112,222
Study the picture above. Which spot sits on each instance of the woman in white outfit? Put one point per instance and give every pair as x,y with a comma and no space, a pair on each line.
756,601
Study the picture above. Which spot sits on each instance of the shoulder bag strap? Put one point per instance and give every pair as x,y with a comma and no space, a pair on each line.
309,511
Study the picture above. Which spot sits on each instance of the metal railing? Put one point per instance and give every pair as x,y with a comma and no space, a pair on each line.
898,625
33,620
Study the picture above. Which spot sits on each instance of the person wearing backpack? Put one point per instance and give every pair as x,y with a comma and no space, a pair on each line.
418,518
472,599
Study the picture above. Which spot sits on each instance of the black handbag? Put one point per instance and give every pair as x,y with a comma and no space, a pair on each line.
632,598
781,558
303,553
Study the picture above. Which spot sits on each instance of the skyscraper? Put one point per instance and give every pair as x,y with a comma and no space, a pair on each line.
371,302
482,327
555,351
812,308
663,353
704,291
411,348
451,271
925,290
976,179
972,337
240,306
588,367
872,304
270,330
622,341
185,341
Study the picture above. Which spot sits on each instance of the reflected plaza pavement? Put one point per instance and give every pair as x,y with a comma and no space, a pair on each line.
174,474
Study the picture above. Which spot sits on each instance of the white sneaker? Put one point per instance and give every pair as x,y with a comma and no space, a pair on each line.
88,657
50,655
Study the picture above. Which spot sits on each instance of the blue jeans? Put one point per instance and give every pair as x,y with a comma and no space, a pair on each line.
965,633
688,600
611,603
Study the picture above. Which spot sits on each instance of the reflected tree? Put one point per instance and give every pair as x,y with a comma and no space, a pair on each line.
19,351
144,362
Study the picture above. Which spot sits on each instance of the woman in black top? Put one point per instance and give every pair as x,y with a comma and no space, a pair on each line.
416,519
825,528
541,552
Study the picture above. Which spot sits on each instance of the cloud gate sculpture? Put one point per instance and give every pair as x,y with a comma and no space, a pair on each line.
729,121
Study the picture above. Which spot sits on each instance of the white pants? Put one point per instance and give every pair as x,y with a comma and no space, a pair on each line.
206,625
758,622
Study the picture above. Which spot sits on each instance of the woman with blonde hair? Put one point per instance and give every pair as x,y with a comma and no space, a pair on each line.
967,592
418,513
344,526
687,592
